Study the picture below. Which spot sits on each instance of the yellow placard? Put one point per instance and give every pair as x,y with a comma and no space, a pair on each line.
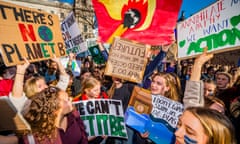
29,33
127,60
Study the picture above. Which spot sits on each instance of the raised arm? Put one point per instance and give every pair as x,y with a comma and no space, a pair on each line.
197,67
17,96
19,79
194,93
154,64
71,58
64,77
102,49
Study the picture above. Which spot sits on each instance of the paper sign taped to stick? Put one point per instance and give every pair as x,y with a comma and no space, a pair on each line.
127,60
102,117
29,33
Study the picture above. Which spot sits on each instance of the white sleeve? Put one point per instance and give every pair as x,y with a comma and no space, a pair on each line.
18,102
193,95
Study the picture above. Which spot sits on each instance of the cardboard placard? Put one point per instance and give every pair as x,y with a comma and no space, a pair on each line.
127,60
102,117
29,33
216,27
155,114
141,100
11,120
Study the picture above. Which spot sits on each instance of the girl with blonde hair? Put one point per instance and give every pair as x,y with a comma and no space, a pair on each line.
91,89
164,84
34,85
204,126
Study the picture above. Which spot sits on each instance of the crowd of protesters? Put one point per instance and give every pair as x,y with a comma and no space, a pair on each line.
43,91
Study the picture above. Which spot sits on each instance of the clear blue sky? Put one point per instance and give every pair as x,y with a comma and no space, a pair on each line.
193,6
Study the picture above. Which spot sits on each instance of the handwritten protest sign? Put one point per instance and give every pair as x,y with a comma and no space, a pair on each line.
102,117
155,114
28,33
217,27
166,109
72,36
126,60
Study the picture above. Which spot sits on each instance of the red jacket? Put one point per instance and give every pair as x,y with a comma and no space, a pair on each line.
84,97
6,86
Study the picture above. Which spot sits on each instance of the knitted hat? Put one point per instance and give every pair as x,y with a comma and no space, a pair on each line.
226,74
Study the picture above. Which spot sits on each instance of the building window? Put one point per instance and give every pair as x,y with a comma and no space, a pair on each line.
84,2
85,28
61,15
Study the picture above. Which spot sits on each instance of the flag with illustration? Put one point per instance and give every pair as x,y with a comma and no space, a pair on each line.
147,21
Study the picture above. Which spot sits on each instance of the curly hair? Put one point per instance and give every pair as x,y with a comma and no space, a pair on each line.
41,113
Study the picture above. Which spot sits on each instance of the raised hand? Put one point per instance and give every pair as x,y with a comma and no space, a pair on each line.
21,68
203,58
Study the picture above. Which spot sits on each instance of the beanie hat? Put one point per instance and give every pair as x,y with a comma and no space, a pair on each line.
226,74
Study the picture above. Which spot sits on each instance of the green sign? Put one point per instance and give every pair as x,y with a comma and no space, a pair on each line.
216,27
96,54
102,117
